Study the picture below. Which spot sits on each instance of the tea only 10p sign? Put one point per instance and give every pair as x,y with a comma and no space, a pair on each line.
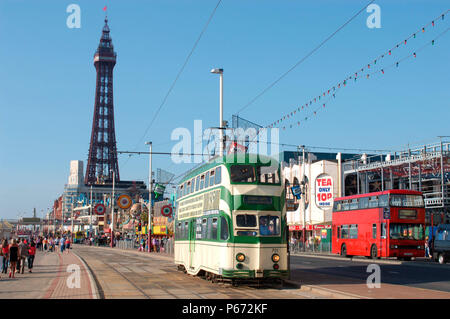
324,191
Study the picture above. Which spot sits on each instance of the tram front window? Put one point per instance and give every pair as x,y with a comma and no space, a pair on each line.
242,174
244,220
269,225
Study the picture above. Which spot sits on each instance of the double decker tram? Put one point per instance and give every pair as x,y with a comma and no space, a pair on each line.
382,224
231,220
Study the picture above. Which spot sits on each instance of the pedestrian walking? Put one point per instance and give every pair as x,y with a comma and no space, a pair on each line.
23,256
61,244
5,256
13,257
67,244
45,242
31,254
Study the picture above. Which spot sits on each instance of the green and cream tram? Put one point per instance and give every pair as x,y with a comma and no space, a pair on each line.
231,220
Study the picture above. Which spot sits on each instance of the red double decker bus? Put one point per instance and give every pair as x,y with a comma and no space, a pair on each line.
382,224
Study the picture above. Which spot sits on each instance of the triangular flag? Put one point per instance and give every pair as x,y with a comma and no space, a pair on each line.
104,9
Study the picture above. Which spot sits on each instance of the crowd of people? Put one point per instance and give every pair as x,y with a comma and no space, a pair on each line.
16,253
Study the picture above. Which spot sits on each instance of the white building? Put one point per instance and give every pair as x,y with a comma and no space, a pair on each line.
321,182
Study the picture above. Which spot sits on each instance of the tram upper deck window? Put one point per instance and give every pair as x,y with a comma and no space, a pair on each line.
242,174
207,180
202,182
197,184
400,200
269,225
268,174
244,220
218,177
188,188
192,185
211,178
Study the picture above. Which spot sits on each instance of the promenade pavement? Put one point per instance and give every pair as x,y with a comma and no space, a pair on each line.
53,277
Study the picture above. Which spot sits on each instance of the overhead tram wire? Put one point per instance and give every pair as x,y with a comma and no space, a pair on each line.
303,59
178,75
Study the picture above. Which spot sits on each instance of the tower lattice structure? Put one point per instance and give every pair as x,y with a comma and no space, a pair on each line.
102,160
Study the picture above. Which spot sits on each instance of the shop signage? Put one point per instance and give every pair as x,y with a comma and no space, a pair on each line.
124,201
309,227
160,230
166,210
99,209
324,191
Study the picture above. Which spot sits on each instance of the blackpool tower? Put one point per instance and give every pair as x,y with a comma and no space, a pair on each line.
102,160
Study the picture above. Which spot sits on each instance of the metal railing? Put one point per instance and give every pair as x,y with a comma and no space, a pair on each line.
321,248
165,248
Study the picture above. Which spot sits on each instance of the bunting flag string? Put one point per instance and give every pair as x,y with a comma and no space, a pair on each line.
355,75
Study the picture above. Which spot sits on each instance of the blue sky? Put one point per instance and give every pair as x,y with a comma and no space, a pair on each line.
47,79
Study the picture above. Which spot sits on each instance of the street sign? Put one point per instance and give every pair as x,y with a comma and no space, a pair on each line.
296,191
99,209
166,210
124,201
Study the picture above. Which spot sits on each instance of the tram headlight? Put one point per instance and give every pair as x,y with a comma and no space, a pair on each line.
240,257
275,258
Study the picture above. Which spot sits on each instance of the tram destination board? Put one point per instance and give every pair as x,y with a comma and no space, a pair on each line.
257,200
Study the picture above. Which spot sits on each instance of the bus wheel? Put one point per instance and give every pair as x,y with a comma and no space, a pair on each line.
373,251
344,251
441,258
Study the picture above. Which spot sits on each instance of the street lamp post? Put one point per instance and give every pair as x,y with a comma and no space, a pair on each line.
150,203
112,211
90,215
221,128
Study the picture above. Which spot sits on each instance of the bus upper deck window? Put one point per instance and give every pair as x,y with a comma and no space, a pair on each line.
373,201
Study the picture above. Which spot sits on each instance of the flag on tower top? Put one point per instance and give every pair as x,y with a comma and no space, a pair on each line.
104,9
